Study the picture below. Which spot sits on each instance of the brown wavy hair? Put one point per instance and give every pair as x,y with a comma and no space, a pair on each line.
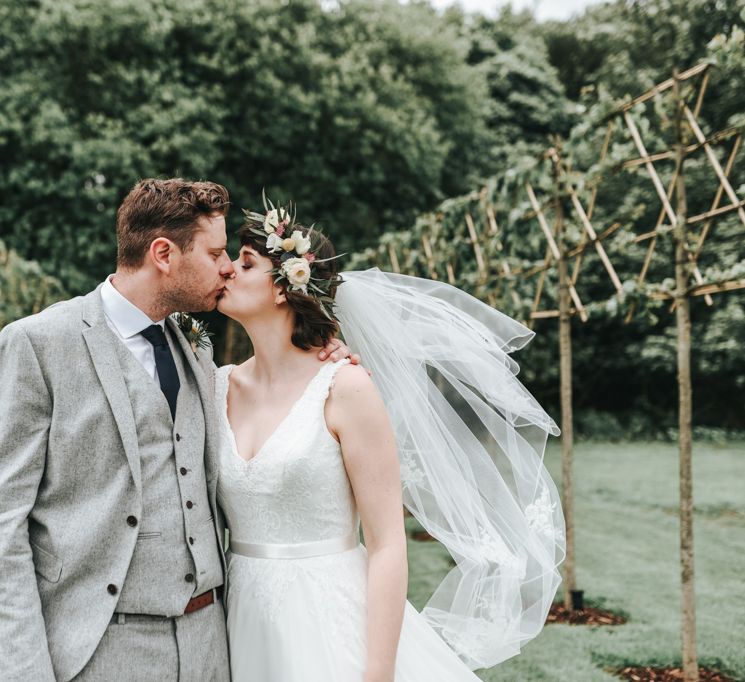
312,328
164,208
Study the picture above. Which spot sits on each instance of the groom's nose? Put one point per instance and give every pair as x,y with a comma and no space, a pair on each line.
226,266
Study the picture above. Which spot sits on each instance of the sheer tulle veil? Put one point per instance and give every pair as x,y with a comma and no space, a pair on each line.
471,442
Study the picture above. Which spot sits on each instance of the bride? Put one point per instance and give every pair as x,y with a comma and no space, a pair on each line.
310,450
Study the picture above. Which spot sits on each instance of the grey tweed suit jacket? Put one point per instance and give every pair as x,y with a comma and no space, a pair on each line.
69,477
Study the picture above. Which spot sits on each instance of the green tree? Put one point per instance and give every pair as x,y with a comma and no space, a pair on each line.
24,287
365,114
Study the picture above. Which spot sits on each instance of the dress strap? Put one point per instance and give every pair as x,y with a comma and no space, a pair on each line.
323,382
222,381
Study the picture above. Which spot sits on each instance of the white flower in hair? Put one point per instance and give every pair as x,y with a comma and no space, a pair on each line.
274,243
271,221
302,243
297,271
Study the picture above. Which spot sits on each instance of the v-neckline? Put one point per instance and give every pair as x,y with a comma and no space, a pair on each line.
282,422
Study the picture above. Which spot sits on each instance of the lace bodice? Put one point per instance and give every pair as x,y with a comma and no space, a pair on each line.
295,489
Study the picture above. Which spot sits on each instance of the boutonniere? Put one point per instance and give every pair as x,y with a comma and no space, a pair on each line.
194,330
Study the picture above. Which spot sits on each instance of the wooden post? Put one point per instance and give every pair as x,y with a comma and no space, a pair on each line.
683,320
565,370
394,258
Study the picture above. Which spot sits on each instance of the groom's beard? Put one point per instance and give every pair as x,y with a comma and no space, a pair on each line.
191,294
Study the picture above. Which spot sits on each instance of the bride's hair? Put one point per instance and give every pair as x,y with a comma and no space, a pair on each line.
313,328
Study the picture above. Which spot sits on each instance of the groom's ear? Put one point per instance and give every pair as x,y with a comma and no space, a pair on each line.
161,253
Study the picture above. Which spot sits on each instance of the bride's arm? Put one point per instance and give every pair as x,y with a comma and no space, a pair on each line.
355,413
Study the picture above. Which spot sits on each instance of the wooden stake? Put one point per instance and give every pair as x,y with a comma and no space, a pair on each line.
476,246
394,259
567,427
683,322
665,85
430,257
593,236
493,227
450,272
714,162
715,210
554,248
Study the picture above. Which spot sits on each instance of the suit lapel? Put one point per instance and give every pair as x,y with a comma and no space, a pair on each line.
101,346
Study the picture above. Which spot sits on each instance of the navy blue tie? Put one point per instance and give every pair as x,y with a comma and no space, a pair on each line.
167,374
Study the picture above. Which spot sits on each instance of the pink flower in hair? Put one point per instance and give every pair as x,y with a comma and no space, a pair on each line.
280,229
309,257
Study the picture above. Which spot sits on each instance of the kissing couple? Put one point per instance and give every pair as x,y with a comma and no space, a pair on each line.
165,519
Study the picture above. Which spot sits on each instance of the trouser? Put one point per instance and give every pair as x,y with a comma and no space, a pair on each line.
189,648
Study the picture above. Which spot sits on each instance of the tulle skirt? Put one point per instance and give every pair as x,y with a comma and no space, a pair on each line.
304,620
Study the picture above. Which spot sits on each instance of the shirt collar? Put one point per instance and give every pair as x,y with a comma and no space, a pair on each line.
128,319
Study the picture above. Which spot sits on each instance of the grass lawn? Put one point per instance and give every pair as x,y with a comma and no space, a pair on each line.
627,561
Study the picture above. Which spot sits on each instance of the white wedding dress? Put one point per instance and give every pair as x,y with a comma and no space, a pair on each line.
296,592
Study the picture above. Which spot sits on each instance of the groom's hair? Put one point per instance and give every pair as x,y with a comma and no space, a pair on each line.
164,208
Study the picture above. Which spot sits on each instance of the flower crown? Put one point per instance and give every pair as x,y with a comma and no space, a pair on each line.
292,255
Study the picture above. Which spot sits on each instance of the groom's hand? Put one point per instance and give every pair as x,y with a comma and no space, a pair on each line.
336,350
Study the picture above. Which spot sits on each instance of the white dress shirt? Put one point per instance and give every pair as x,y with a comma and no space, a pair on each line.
127,321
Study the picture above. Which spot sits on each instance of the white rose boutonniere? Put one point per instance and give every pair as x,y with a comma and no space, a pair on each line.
297,271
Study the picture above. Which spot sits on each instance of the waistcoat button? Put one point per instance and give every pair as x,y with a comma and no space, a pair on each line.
182,471
189,577
191,541
111,589
178,437
132,521
189,504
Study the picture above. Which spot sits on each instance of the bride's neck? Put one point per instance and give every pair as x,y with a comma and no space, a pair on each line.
276,359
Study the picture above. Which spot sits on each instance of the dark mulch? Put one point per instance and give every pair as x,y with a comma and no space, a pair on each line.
586,616
649,674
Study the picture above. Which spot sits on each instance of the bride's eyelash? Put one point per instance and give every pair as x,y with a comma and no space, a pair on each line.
246,267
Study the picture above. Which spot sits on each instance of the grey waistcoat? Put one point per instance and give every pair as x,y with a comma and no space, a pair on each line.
176,556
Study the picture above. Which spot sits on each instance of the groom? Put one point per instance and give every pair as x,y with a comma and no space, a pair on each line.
111,562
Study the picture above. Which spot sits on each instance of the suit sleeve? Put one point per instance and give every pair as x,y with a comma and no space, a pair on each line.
25,417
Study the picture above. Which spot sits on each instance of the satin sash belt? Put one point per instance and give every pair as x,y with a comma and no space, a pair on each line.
301,550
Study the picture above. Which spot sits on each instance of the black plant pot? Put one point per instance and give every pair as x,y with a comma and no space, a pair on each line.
578,599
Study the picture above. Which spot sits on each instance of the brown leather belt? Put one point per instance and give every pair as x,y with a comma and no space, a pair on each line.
194,604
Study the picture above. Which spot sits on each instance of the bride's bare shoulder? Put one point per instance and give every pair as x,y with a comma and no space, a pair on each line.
352,378
352,391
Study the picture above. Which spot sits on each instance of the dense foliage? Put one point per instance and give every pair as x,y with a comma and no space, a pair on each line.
25,287
370,114
364,115
624,373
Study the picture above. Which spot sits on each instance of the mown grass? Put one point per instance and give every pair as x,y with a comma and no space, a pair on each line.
627,561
